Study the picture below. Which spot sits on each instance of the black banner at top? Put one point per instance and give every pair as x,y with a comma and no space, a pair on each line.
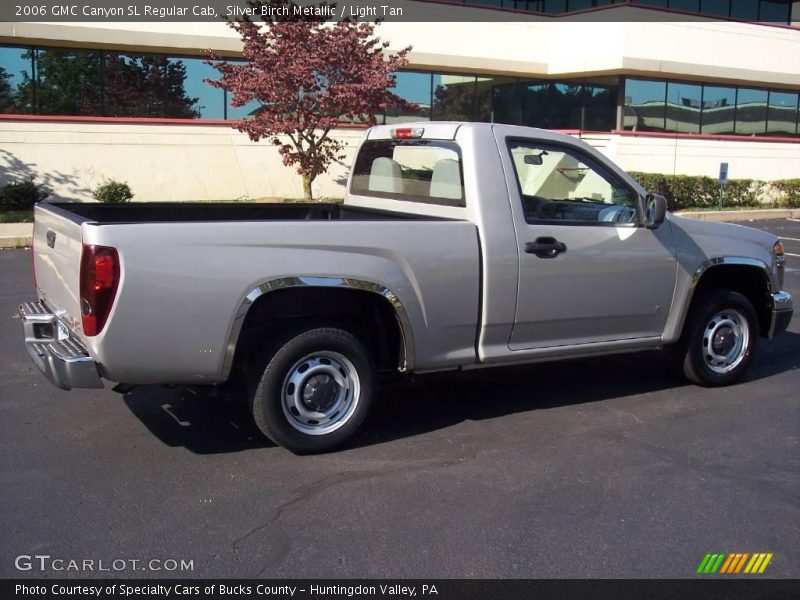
395,11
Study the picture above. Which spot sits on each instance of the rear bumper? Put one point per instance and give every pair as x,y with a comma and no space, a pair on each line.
60,356
782,309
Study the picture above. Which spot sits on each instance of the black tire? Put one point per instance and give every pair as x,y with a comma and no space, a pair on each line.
691,353
290,428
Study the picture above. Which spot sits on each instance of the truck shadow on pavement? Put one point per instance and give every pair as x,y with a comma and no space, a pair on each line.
211,423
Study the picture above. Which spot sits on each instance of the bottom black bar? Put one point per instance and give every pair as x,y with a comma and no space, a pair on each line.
427,589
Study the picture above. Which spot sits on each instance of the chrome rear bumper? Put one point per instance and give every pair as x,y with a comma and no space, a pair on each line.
782,310
59,355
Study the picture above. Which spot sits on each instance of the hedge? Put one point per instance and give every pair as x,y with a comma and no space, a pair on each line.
693,191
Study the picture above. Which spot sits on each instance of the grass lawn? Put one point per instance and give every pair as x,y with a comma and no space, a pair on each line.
16,216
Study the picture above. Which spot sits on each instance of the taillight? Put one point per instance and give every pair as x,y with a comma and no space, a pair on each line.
408,133
99,281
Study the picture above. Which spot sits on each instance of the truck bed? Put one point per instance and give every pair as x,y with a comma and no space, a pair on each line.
186,270
201,212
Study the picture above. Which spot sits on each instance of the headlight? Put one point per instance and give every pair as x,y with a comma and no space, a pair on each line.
780,260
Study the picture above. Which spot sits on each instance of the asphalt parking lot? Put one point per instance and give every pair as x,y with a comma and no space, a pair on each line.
605,468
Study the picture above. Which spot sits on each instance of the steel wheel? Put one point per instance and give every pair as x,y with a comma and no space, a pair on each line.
719,338
725,340
320,393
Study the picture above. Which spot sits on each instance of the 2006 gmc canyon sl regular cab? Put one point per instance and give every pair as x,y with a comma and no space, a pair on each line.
458,246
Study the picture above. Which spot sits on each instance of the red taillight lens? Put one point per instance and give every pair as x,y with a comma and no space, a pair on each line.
408,133
99,281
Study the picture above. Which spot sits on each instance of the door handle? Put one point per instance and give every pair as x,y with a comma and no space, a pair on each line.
545,247
51,238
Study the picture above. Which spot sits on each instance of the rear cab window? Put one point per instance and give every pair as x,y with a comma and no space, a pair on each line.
415,170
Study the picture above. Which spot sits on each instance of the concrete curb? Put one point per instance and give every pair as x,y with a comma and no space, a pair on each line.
743,215
16,235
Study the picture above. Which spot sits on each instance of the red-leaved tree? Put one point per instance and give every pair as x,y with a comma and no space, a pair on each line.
308,76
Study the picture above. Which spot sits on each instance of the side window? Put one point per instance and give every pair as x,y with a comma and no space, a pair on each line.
561,185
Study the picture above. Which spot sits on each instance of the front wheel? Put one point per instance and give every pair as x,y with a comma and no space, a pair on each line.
718,343
315,391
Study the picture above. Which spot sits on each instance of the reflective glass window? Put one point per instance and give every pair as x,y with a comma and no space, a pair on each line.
719,8
555,6
189,90
744,9
579,5
67,82
644,105
497,100
415,88
751,111
16,75
552,105
683,107
599,106
719,109
774,12
782,113
687,5
663,3
453,97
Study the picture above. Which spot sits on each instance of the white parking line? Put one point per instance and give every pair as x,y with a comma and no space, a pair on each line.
795,220
790,239
790,254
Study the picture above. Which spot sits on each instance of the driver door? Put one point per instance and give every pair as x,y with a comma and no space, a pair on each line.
589,270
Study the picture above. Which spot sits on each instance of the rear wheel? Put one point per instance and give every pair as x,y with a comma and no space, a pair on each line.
315,390
718,343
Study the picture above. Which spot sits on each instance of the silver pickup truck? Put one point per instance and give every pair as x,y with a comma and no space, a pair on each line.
458,246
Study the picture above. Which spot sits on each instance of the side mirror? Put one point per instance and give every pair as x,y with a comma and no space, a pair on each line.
533,159
655,211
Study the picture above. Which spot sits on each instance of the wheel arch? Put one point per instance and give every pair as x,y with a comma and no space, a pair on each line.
750,277
302,291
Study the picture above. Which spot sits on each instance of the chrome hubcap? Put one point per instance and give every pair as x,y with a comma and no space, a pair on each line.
725,341
320,393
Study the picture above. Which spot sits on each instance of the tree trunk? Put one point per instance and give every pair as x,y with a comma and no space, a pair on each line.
307,181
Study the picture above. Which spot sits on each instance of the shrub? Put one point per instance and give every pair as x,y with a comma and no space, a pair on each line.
788,192
22,195
694,191
113,192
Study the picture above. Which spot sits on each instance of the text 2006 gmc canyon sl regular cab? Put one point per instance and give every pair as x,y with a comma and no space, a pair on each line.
458,246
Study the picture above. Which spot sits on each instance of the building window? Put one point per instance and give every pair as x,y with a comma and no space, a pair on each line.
209,102
687,5
644,108
453,97
68,82
552,105
599,106
16,75
497,100
415,88
747,10
719,108
782,113
719,8
774,11
683,107
751,111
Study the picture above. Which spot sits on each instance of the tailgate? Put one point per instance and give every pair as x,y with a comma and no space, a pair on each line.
56,258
